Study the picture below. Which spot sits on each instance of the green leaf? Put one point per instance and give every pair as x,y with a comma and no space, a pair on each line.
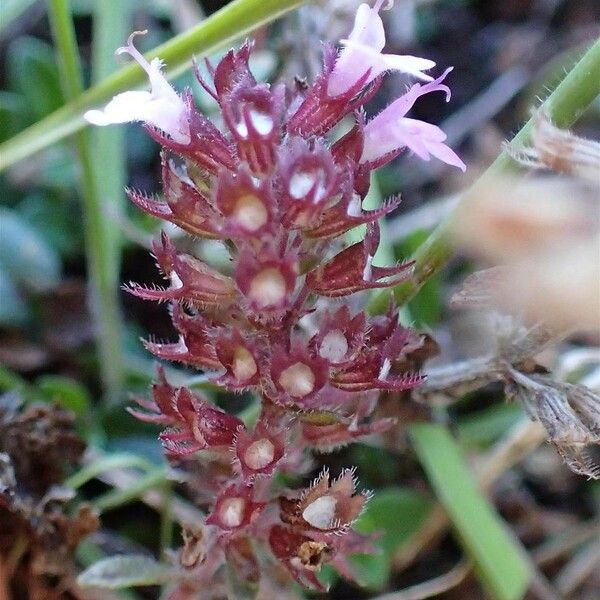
106,463
497,557
12,114
34,74
125,571
99,253
395,513
12,381
67,392
117,497
484,427
56,218
24,254
13,308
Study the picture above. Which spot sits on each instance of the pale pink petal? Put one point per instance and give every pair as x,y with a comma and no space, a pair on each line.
390,130
447,155
368,28
413,65
362,54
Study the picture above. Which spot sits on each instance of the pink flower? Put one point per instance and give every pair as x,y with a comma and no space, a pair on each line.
362,54
391,130
161,107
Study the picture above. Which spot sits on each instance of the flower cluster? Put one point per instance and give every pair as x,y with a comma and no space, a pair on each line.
279,191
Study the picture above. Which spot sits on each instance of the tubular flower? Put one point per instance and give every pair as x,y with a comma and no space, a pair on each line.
390,130
362,54
161,107
278,192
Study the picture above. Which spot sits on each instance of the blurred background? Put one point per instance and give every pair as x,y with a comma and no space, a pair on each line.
55,349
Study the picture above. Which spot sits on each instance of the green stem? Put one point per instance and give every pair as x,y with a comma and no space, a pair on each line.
564,106
233,21
106,463
111,27
105,305
166,518
119,497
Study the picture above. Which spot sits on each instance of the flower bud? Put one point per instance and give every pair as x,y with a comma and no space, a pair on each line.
266,280
259,451
297,375
246,205
234,508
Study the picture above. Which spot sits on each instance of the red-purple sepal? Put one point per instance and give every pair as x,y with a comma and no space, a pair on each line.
240,357
340,336
257,452
297,375
319,112
246,204
325,507
232,70
253,116
346,214
195,345
208,148
299,554
182,205
351,270
327,437
371,368
266,279
191,279
308,181
194,423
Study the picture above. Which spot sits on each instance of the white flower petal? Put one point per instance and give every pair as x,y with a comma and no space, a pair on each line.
161,107
123,108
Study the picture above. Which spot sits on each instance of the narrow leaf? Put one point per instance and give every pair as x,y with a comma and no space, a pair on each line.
497,558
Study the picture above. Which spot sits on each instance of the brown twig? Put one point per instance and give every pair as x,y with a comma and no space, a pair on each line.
575,536
579,568
4,593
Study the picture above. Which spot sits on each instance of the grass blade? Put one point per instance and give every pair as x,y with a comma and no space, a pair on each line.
497,559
